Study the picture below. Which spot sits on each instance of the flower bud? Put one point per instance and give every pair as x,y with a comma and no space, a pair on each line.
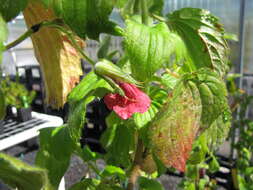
108,69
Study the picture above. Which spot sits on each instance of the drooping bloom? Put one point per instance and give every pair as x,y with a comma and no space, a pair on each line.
125,106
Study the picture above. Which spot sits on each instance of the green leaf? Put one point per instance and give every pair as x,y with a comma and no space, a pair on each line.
22,176
86,184
3,36
231,36
76,118
169,81
118,140
214,165
155,6
9,9
199,151
161,169
127,7
143,119
218,131
147,48
88,155
203,37
86,91
149,184
213,96
55,151
85,17
104,47
121,3
203,183
94,184
88,84
113,171
192,172
108,136
159,97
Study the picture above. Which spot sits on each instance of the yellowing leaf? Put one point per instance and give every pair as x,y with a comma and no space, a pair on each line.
176,125
59,60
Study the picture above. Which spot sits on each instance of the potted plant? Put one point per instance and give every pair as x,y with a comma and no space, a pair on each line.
18,96
24,112
166,92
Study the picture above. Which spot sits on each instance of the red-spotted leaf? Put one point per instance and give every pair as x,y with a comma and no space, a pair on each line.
175,127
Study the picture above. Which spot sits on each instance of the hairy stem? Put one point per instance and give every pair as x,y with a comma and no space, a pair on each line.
28,33
135,172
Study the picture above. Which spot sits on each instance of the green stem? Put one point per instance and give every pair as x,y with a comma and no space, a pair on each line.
144,12
89,163
94,168
20,39
53,24
157,17
137,7
35,28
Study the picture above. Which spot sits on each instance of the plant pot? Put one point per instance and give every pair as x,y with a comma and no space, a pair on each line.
1,126
9,112
24,114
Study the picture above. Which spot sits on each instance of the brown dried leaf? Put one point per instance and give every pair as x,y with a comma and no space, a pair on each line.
59,60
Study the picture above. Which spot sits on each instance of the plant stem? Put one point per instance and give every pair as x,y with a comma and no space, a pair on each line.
20,39
135,172
94,168
157,17
35,28
137,7
53,24
128,8
144,12
89,163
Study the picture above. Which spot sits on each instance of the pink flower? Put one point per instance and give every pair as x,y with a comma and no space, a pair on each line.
134,101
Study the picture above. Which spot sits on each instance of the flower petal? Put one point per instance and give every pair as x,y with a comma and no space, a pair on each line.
134,101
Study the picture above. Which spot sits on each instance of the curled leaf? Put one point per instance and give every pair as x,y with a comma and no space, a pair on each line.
59,60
